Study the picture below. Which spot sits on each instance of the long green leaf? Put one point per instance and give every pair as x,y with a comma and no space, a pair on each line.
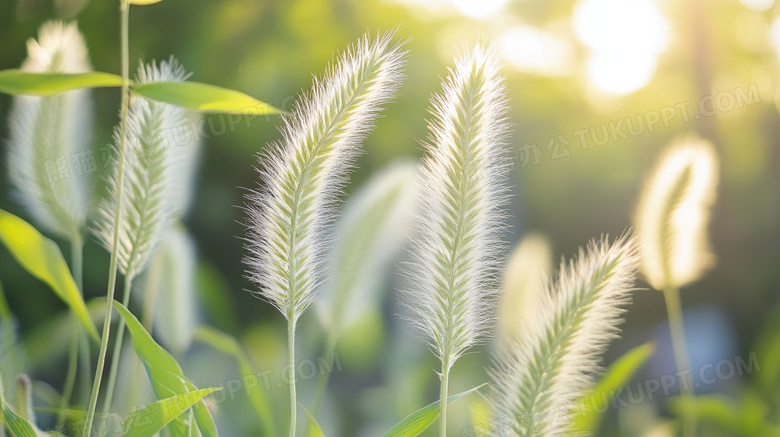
584,419
202,416
17,82
19,425
152,418
203,97
164,372
415,423
229,346
42,258
312,428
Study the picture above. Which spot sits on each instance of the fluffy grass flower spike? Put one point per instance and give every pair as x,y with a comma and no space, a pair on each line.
46,133
671,220
374,226
152,184
529,266
152,188
671,223
455,251
540,377
303,174
50,158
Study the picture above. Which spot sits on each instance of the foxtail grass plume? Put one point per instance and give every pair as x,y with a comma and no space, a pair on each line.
50,137
153,183
523,282
538,379
170,284
373,228
673,212
455,253
305,170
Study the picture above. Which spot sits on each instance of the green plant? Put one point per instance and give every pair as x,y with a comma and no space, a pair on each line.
671,223
148,191
540,378
303,173
300,251
455,251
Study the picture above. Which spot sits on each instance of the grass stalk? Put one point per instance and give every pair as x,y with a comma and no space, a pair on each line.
291,363
445,380
124,10
115,357
70,376
682,360
76,261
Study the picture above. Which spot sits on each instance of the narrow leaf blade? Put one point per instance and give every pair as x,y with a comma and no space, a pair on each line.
584,419
203,97
42,258
164,372
415,423
152,418
18,82
202,416
144,2
312,428
18,425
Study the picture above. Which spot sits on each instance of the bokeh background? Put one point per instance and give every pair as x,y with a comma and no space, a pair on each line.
580,74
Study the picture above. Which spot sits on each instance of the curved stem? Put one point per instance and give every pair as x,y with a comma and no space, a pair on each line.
70,376
677,330
76,247
291,363
322,382
115,358
124,10
445,379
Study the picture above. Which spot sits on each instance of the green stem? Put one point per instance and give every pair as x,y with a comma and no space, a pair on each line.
291,363
124,10
322,382
85,365
445,379
77,261
76,248
677,330
70,376
115,358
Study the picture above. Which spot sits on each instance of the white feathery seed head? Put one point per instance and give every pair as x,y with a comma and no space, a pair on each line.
374,226
50,137
524,279
671,220
153,185
539,378
303,173
455,252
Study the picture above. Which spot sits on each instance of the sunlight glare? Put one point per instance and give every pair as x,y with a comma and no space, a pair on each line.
612,25
757,5
479,8
625,38
535,51
774,35
617,74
